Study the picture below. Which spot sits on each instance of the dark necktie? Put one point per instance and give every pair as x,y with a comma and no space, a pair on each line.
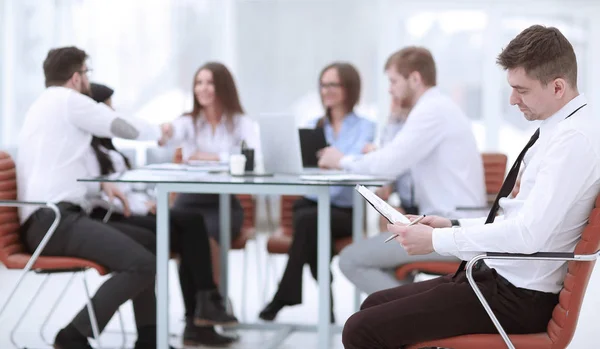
509,182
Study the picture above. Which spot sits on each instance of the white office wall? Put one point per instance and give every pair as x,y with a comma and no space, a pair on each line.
149,50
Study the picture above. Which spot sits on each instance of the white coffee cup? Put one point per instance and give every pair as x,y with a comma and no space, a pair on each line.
237,164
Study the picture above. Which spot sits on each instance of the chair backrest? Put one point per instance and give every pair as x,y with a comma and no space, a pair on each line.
561,327
10,240
494,167
249,205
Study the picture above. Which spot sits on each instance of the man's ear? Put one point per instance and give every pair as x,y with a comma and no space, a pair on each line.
415,78
559,87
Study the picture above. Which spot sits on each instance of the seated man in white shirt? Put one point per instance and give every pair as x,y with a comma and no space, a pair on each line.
53,144
559,185
437,146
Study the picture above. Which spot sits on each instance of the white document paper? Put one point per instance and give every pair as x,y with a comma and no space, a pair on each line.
208,167
384,209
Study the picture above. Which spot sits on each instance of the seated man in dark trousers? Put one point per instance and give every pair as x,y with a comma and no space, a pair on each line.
559,184
53,144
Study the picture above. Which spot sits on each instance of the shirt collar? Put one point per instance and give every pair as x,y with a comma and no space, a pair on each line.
351,116
565,111
202,120
432,91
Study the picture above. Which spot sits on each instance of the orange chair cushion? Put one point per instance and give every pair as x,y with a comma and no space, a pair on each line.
19,260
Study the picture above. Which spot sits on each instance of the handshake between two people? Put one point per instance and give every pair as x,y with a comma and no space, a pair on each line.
417,239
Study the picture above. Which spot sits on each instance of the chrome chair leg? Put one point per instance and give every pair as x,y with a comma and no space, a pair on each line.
18,323
91,311
244,282
259,265
55,306
123,333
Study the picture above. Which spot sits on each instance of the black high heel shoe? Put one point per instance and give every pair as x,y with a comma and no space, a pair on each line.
270,311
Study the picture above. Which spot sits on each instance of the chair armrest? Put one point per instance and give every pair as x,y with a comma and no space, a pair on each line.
109,212
546,256
19,203
49,233
549,256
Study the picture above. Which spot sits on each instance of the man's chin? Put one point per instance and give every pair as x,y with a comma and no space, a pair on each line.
406,103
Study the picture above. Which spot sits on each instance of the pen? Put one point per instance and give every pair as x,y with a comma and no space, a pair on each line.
409,224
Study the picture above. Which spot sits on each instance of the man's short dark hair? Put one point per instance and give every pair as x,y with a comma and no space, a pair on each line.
544,53
61,63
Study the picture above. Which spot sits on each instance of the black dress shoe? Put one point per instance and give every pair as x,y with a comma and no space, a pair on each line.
147,338
210,310
270,311
204,335
70,338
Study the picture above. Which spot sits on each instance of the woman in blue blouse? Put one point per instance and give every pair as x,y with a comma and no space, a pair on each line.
339,85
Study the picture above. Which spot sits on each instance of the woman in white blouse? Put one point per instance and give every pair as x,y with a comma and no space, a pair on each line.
211,131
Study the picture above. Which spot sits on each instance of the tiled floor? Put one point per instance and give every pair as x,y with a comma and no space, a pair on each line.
585,337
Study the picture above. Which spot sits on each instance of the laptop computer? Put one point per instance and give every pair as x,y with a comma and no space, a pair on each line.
280,143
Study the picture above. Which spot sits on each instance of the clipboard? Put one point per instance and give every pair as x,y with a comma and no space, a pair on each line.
311,141
384,209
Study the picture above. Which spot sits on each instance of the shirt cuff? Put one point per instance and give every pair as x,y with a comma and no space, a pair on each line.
443,241
469,222
346,162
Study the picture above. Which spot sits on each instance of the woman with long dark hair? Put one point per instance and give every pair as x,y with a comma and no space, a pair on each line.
215,128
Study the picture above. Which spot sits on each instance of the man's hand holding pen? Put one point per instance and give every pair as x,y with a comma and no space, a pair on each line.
416,237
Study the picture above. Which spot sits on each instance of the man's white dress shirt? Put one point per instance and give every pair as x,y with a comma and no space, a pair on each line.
437,145
559,185
54,142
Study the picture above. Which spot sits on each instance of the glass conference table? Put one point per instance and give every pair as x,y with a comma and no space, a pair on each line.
184,180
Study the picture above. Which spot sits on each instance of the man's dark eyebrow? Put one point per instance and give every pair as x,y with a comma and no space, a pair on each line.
518,87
